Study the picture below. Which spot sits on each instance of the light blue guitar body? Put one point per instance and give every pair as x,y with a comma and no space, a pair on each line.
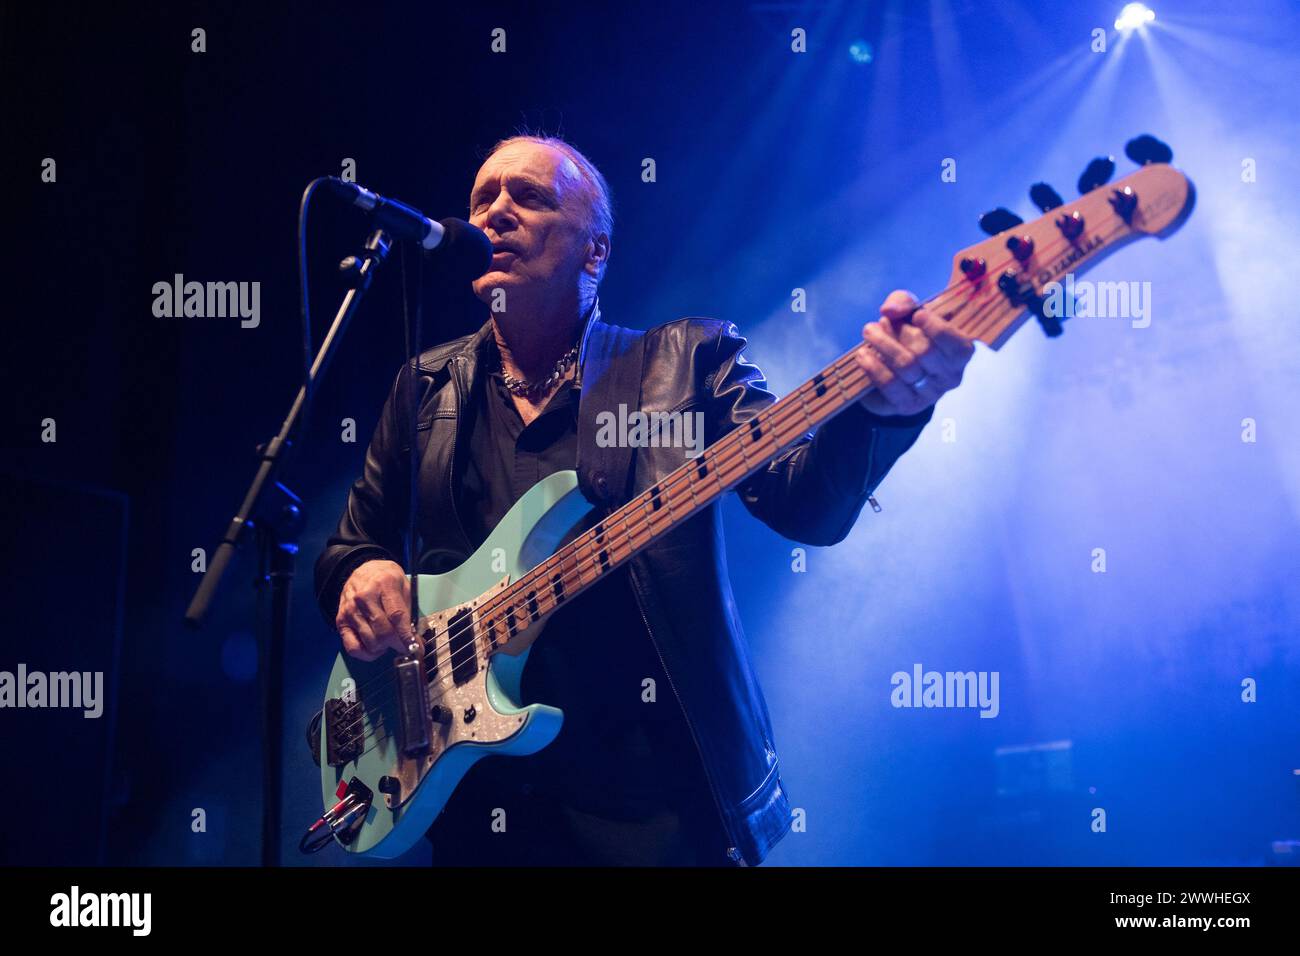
482,712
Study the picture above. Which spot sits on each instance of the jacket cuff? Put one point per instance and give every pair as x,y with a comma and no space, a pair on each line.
892,421
861,446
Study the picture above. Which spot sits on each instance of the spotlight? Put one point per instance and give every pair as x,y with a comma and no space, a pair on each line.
1134,15
861,52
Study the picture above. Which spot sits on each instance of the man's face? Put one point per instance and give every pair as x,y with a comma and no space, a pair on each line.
530,201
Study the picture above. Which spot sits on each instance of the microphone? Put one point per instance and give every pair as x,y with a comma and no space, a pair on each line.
464,249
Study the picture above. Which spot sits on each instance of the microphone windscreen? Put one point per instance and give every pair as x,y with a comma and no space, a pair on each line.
465,251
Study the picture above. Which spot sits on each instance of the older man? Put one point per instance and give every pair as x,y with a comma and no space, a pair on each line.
666,755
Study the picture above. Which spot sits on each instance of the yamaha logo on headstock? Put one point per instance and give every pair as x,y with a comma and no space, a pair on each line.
1076,253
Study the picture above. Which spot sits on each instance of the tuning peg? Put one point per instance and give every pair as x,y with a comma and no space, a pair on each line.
999,220
1021,292
1147,149
1050,324
1097,174
1045,197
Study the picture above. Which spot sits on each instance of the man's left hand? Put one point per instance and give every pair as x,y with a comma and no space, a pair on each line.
911,356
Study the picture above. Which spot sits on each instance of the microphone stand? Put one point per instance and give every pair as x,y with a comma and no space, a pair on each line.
276,517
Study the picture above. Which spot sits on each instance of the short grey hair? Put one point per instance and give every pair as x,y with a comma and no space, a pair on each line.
600,216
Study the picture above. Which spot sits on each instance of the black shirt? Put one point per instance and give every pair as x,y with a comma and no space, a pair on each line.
622,783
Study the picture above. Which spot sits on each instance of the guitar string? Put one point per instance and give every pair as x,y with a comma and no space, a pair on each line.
979,319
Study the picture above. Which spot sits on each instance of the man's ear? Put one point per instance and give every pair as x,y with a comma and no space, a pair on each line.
597,254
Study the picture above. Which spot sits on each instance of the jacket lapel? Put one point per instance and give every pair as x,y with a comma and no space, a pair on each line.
610,368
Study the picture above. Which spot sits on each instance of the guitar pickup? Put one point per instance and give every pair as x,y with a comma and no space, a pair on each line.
462,650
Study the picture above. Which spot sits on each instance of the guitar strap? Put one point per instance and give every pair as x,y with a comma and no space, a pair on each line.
610,368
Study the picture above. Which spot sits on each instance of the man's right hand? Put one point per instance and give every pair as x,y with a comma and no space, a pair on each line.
375,610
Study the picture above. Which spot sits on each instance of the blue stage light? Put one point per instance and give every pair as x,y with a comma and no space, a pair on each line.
861,51
1133,16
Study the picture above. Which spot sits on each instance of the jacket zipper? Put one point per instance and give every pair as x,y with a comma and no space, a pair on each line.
871,463
733,851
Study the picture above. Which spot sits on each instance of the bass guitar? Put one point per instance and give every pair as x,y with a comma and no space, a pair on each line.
395,736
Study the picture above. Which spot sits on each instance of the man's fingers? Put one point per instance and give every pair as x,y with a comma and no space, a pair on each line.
374,610
900,359
377,620
373,645
911,355
937,374
934,365
886,382
369,608
945,336
394,595
352,645
899,305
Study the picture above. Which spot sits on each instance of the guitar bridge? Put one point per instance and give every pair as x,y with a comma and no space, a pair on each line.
344,731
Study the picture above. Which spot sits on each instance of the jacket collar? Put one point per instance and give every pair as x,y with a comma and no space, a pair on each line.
592,322
470,355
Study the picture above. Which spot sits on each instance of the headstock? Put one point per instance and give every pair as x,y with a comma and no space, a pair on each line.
997,283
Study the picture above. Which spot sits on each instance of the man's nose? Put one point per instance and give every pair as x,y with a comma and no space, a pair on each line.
501,215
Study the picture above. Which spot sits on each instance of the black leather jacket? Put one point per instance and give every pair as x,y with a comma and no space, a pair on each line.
812,494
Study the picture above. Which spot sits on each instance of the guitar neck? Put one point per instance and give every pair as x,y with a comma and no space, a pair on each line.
631,528
991,285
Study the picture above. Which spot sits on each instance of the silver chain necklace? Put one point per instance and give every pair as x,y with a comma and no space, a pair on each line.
524,389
